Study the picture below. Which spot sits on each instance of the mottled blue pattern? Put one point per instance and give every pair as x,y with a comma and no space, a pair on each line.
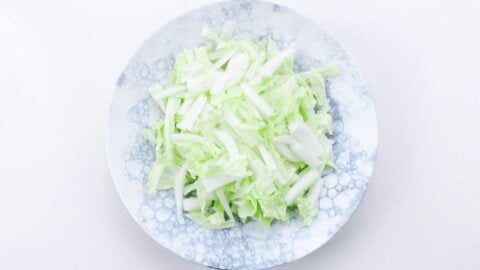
247,246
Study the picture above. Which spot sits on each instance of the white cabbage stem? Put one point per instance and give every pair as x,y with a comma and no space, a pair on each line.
301,186
178,192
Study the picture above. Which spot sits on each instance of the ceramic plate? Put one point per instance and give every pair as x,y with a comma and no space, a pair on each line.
247,246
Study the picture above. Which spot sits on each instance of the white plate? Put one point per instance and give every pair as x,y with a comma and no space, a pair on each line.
247,246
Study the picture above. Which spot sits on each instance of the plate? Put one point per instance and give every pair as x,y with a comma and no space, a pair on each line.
247,246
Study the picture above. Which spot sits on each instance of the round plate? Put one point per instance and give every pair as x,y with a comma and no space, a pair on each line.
246,246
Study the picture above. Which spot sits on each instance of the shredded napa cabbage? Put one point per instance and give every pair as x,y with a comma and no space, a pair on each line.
243,136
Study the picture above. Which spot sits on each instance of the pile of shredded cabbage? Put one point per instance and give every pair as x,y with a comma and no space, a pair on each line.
243,136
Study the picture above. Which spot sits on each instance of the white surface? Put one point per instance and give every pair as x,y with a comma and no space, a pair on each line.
58,65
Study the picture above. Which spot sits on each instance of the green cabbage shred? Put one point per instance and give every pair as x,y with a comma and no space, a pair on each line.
243,136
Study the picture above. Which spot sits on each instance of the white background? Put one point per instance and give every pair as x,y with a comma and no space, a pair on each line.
59,61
